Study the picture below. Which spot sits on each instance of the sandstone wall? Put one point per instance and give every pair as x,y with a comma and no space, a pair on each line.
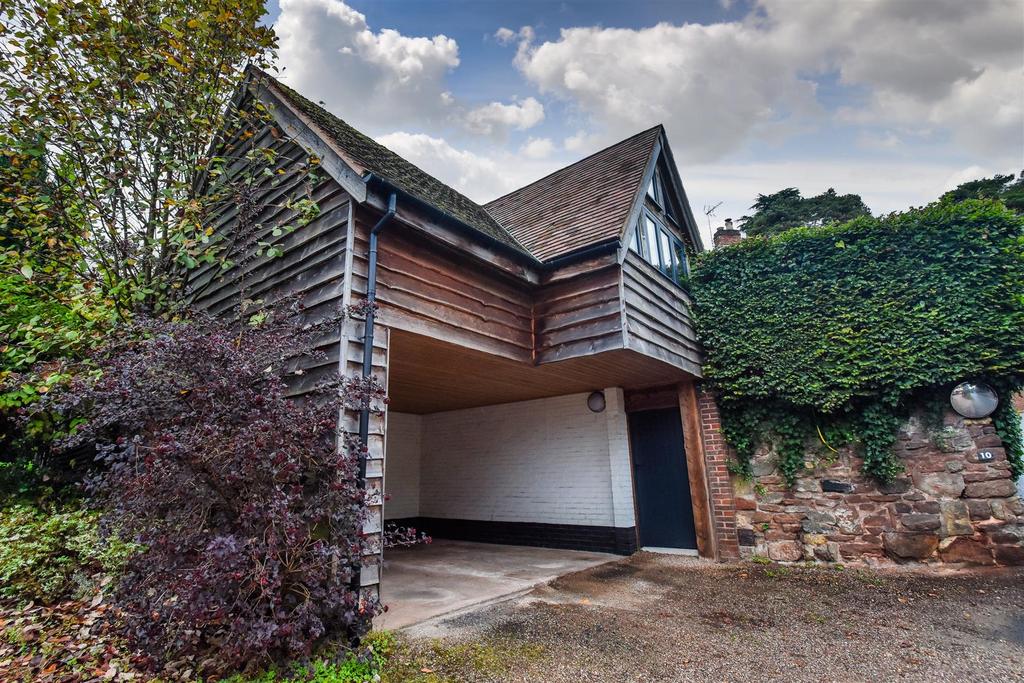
955,503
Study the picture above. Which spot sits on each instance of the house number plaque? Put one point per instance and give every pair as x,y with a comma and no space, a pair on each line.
985,456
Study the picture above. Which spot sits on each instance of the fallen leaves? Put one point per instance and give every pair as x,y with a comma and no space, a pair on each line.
70,642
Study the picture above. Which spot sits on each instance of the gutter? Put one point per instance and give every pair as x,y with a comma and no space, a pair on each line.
600,249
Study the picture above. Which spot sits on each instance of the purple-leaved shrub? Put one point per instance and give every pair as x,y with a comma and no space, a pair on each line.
249,513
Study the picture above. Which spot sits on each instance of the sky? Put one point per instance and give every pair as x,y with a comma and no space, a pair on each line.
896,100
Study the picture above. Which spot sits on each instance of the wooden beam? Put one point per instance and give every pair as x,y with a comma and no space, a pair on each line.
699,493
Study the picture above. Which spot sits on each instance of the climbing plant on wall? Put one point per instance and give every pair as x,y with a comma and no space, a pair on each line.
833,331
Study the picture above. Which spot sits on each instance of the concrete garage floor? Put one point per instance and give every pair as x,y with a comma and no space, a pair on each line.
424,582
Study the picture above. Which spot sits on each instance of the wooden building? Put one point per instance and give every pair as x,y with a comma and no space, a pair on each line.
538,350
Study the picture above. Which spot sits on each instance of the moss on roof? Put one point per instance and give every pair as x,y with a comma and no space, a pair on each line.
382,162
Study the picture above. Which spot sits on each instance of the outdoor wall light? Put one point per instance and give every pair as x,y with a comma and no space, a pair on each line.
596,402
973,399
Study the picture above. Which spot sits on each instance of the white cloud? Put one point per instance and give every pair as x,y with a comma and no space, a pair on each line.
972,172
946,65
537,148
330,53
481,178
498,117
505,35
581,140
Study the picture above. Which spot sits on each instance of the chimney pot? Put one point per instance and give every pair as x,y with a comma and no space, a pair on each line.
723,237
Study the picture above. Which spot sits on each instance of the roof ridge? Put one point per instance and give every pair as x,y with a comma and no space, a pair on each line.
389,157
575,163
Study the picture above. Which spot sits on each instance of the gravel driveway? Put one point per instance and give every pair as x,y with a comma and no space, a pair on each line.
665,618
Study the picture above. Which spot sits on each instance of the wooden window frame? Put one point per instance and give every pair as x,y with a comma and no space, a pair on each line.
640,244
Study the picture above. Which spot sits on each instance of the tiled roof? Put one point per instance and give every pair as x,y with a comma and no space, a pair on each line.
382,162
582,204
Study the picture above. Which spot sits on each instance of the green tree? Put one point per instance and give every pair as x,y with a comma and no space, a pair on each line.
1008,189
126,98
785,209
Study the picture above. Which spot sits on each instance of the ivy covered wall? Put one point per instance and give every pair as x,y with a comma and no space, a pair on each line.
838,333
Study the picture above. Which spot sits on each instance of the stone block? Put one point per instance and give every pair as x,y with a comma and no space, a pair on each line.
910,546
807,485
847,521
828,552
956,518
979,509
785,551
921,522
987,475
955,466
940,484
988,441
746,537
880,521
998,488
762,467
815,539
857,549
1000,510
896,486
952,439
786,518
746,504
1009,554
834,486
819,522
966,551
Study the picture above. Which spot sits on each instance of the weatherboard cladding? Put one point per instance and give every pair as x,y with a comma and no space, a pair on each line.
577,206
585,203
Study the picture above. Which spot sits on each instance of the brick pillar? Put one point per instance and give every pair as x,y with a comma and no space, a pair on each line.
716,456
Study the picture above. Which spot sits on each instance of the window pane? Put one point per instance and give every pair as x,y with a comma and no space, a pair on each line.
634,243
652,241
666,251
679,254
651,192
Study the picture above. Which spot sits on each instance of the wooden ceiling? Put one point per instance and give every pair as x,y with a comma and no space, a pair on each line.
427,375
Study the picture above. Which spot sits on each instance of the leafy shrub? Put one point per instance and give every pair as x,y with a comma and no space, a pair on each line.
364,664
250,516
847,323
46,554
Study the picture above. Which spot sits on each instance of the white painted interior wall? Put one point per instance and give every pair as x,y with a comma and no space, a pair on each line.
402,465
549,460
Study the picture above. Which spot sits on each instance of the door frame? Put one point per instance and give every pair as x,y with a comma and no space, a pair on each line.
684,397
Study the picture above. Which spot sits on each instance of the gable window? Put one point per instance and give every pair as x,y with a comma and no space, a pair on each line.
656,192
659,246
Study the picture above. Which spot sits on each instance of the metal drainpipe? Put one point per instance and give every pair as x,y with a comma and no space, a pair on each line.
364,415
371,297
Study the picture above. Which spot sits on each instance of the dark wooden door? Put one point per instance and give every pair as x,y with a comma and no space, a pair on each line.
660,479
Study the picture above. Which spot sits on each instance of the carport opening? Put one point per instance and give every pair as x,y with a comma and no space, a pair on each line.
484,449
506,467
